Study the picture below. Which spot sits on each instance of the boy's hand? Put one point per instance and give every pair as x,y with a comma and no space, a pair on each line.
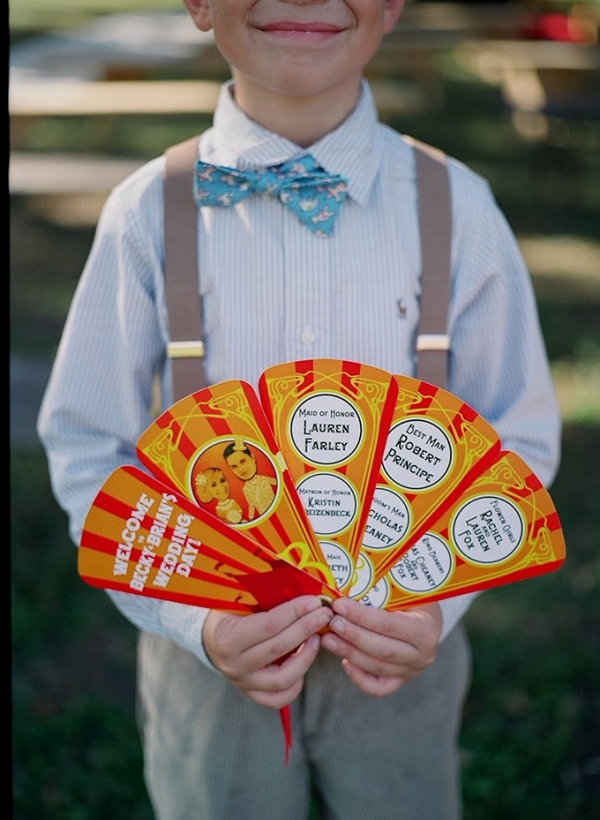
245,648
382,650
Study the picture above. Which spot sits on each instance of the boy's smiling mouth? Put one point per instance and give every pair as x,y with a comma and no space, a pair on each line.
301,31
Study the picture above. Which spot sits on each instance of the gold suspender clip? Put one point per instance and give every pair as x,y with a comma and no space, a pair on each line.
433,341
185,350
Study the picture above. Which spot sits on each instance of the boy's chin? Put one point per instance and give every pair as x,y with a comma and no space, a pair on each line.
294,88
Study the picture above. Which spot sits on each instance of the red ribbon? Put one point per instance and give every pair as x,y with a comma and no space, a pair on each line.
286,722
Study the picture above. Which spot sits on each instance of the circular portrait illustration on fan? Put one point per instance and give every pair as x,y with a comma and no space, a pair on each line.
236,480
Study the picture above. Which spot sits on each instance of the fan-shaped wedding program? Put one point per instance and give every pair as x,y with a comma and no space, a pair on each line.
336,479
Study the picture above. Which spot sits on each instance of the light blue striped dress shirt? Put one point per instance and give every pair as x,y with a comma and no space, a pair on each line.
273,292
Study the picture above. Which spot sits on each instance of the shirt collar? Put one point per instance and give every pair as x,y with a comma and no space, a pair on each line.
353,149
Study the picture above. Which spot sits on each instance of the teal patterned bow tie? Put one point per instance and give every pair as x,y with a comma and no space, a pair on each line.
310,192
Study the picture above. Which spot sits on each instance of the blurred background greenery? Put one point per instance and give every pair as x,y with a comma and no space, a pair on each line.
455,75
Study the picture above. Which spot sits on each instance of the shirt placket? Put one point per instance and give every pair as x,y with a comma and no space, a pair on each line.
307,303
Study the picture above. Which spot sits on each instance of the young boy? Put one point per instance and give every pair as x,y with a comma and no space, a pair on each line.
376,701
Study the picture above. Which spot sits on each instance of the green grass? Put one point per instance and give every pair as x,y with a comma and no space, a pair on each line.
532,723
76,753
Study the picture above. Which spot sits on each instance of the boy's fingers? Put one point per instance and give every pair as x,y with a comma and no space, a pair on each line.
278,699
237,643
244,631
369,617
275,686
277,676
372,684
419,627
385,643
287,636
285,615
356,638
376,658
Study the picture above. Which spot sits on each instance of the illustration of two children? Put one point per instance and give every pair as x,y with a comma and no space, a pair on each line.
211,484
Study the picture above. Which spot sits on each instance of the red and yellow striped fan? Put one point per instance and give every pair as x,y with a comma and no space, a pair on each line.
142,536
352,480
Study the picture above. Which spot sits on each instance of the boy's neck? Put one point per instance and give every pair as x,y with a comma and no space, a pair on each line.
303,119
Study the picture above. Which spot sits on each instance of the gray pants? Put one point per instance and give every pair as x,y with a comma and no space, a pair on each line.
213,754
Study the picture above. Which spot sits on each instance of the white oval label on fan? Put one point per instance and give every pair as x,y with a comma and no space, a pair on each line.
339,562
326,429
363,576
488,529
426,566
418,454
330,502
388,522
378,595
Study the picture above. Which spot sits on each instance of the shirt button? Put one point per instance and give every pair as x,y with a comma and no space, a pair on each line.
307,337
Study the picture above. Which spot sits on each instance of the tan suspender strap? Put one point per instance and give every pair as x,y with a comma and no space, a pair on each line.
186,348
435,222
